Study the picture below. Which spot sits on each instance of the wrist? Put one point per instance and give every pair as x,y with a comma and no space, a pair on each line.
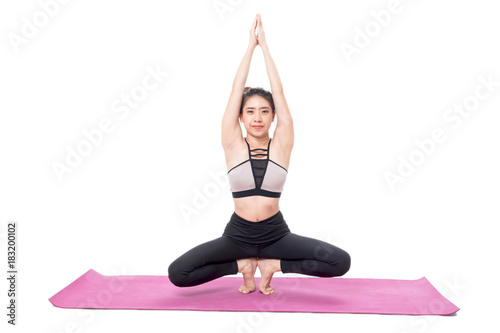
264,47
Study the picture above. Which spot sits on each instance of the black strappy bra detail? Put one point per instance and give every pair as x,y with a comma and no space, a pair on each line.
259,165
256,176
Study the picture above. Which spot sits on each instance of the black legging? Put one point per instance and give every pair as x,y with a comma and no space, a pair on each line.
270,238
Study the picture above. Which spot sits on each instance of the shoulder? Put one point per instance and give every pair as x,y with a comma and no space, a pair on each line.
283,144
236,150
235,144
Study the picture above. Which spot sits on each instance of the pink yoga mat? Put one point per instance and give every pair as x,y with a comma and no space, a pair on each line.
305,294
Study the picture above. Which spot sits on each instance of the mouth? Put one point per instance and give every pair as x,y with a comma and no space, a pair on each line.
257,127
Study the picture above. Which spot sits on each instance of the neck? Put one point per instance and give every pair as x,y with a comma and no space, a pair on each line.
257,141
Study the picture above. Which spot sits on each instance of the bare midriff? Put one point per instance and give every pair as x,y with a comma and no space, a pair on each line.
256,208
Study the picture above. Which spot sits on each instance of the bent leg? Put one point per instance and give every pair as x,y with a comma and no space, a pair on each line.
208,261
309,256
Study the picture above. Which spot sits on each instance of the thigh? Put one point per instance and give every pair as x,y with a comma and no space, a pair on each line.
293,247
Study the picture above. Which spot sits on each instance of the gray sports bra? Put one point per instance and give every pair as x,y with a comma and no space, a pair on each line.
257,176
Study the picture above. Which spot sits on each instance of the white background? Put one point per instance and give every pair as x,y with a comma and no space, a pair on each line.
118,211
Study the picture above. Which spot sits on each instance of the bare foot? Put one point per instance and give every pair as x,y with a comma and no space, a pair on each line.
267,268
248,268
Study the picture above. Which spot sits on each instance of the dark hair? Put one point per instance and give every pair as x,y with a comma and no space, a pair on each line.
249,92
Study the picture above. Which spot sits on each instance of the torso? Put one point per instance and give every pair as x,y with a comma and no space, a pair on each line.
256,208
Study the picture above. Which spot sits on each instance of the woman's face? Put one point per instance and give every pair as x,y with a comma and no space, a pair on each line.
257,116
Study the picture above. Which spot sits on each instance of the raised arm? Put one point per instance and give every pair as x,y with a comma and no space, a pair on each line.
231,129
283,133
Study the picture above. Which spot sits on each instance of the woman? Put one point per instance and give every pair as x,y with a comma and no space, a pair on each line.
257,234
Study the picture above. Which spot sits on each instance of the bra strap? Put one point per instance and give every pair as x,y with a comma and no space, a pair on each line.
249,154
268,146
250,150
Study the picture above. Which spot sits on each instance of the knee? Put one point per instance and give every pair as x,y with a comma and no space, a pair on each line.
340,263
338,260
344,263
175,274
